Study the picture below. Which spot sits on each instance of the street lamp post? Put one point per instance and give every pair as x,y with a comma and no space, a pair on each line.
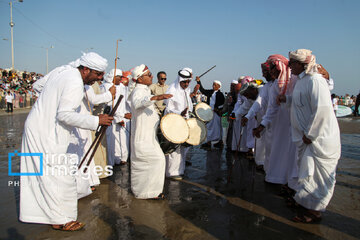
12,24
47,59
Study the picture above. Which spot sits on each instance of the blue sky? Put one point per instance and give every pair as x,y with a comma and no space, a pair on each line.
168,35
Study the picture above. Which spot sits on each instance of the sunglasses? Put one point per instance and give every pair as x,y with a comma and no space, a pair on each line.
162,78
97,72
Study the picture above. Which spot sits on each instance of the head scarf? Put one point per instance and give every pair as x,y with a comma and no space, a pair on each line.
234,82
93,61
187,69
248,85
181,96
109,77
305,56
281,64
246,79
138,71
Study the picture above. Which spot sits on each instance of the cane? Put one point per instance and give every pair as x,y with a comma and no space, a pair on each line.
98,138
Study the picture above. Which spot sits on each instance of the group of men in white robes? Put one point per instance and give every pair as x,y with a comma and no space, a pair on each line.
288,123
297,134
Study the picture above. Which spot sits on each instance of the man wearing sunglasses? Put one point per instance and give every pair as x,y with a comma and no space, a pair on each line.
159,88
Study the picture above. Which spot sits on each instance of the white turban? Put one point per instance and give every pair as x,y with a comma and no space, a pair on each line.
234,82
305,56
75,63
109,77
93,61
218,82
138,71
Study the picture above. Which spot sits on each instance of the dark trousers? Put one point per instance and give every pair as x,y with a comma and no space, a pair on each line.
9,106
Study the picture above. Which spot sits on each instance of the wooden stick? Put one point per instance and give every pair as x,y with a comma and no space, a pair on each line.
207,71
98,138
116,58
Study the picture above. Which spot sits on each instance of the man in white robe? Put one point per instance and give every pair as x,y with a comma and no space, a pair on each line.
316,134
147,158
280,167
258,110
180,104
239,140
122,118
113,132
50,197
216,100
83,137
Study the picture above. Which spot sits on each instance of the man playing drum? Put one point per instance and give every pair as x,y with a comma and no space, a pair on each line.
181,104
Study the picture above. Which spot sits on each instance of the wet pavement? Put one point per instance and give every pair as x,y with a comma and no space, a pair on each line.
222,196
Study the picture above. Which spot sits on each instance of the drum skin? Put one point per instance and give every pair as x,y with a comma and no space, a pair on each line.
174,128
197,133
204,112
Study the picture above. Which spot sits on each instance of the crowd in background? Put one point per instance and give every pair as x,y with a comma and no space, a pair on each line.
19,86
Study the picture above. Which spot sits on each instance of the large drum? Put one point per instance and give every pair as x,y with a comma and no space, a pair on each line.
197,131
204,112
173,131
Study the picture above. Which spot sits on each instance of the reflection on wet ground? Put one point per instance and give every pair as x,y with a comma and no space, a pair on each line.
221,197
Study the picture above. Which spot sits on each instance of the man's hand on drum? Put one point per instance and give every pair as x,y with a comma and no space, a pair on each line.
161,97
244,121
127,115
183,113
105,120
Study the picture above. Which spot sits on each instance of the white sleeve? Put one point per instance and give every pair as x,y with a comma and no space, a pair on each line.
321,108
70,99
260,100
273,107
97,99
141,100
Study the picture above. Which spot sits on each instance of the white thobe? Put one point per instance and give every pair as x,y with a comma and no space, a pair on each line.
214,127
175,161
52,198
280,167
113,131
147,158
123,131
239,132
258,109
312,115
83,137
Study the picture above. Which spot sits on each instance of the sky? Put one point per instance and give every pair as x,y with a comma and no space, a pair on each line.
236,36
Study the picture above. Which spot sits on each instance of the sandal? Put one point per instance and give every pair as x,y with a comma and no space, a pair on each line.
70,226
307,217
160,197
